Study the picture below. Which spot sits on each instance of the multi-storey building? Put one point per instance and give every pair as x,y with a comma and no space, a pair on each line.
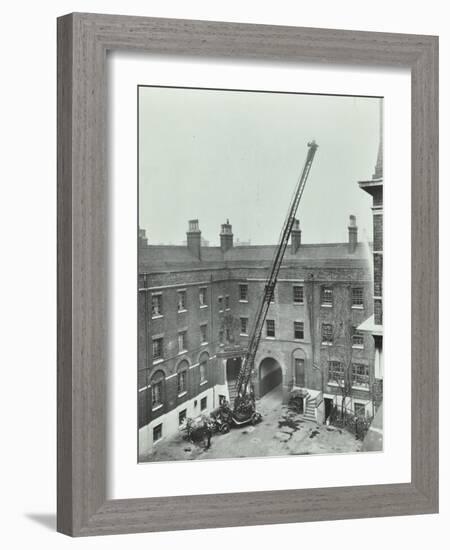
196,309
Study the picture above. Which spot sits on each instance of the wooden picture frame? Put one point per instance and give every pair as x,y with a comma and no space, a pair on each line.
83,41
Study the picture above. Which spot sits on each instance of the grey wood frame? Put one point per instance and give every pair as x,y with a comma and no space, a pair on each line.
83,40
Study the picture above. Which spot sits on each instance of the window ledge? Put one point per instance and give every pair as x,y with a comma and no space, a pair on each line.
243,301
334,384
203,383
298,303
157,408
203,306
182,394
182,310
299,339
363,388
158,361
159,316
357,307
183,351
357,346
270,337
243,334
204,344
326,305
326,343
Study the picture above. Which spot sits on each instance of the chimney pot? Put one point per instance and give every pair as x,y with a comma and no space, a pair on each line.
194,236
296,237
226,236
352,234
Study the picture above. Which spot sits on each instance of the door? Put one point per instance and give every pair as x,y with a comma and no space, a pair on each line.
299,372
328,407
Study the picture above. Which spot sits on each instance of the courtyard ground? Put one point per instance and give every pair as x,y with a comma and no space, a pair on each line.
280,433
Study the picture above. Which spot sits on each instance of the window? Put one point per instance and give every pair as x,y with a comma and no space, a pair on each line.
157,433
181,300
203,403
221,336
157,382
272,294
182,380
326,296
220,303
156,305
227,334
203,296
357,297
182,416
327,333
360,409
298,294
157,346
204,333
335,371
299,332
270,328
182,341
203,368
227,302
222,399
357,338
244,325
360,375
243,293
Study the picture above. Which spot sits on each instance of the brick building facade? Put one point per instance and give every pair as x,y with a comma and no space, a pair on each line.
196,307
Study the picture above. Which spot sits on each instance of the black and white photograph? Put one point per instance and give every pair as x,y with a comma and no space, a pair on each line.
260,259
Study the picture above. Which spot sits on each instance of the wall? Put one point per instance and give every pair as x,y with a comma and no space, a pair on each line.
28,231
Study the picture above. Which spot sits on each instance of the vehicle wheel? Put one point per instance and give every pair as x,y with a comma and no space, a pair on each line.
225,428
255,418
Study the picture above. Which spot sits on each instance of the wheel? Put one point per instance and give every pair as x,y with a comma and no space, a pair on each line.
256,417
225,428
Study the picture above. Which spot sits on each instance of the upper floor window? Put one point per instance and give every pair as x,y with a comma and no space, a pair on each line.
357,338
270,328
298,294
182,341
220,300
243,293
227,302
182,379
203,296
335,371
244,325
360,375
204,333
327,333
357,297
203,371
157,308
181,300
326,296
157,386
299,330
157,347
271,295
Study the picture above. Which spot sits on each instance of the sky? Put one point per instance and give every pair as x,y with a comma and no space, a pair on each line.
214,155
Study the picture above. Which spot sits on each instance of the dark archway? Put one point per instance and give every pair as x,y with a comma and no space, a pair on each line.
270,375
233,368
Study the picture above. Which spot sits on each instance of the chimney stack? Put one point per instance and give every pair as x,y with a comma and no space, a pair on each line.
226,236
194,236
296,237
352,234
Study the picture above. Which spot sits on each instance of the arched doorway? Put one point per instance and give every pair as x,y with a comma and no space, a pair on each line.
270,375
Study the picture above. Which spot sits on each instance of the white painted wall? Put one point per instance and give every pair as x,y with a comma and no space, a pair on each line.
28,304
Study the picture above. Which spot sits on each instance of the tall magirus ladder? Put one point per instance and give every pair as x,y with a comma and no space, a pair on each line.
248,363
